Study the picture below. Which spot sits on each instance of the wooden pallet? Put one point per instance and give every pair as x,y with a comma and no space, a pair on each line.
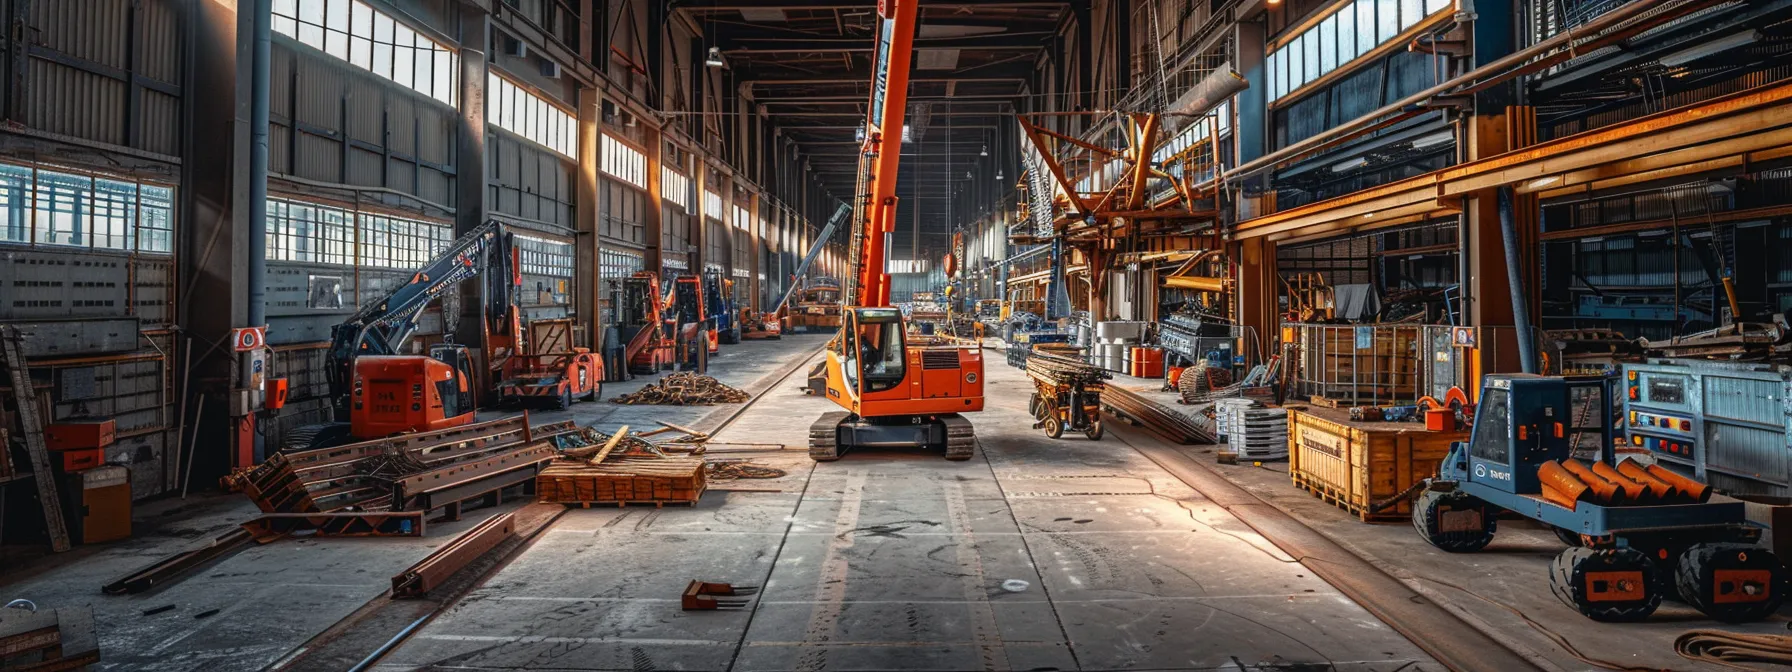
623,480
1330,495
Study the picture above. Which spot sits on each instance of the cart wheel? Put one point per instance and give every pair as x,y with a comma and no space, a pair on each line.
1606,584
1733,583
1054,428
1569,537
1033,405
1454,521
1094,430
564,401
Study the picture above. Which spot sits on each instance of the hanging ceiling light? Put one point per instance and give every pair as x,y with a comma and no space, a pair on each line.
714,59
998,173
984,151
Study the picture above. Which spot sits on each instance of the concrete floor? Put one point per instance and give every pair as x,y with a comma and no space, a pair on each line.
271,599
1488,589
883,560
900,560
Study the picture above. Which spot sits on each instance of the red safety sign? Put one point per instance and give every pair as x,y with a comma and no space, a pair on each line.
249,338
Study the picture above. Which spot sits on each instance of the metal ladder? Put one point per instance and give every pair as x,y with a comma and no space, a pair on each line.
26,400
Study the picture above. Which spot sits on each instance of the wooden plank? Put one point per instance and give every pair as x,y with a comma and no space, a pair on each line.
610,445
26,401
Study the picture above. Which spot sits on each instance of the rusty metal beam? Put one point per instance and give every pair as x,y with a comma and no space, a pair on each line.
442,564
1655,142
1051,163
1141,161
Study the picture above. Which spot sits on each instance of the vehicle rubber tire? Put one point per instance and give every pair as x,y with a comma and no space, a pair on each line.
597,390
1094,431
564,401
1697,581
1433,509
1033,405
1054,428
1569,537
1569,583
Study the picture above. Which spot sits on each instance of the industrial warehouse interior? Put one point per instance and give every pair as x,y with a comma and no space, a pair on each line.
858,335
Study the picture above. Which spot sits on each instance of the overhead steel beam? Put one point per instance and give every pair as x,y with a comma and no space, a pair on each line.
866,80
787,5
738,46
1739,122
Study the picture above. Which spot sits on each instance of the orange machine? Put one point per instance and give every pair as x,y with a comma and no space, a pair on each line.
555,378
896,390
817,307
641,324
378,389
691,313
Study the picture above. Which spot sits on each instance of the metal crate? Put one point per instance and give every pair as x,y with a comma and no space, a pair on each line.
1727,424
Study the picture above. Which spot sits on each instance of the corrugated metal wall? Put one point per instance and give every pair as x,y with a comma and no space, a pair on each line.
354,128
528,181
106,71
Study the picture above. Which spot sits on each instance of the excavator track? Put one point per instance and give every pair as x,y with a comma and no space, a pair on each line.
961,437
824,437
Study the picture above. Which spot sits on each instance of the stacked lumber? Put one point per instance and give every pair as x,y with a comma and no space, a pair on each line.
623,479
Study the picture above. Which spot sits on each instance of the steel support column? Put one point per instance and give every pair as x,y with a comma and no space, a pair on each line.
470,182
589,293
1486,293
213,288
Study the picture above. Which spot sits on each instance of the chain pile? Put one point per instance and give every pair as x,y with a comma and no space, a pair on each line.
684,389
728,471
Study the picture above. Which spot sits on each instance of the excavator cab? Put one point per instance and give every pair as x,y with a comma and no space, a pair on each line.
875,354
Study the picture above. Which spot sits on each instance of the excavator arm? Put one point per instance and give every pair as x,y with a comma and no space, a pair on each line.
384,326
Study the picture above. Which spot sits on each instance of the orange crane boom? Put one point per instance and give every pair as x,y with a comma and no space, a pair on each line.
881,153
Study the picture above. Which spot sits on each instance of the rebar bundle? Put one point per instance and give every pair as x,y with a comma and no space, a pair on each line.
684,389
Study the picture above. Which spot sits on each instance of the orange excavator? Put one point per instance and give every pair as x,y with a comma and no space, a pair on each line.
640,323
896,392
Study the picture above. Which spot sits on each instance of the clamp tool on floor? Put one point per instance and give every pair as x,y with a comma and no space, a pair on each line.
701,595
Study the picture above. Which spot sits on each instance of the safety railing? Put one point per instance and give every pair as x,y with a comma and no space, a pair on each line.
1381,365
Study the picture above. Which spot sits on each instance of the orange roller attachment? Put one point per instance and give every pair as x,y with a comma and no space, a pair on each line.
1560,486
1661,489
1634,492
1604,491
1694,490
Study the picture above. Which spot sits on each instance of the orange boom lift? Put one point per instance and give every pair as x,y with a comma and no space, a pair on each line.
896,392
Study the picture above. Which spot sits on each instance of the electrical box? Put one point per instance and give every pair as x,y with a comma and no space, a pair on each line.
1725,423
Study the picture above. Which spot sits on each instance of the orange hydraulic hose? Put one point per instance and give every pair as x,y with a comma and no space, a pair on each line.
1694,490
1560,486
1663,491
1604,491
1635,492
